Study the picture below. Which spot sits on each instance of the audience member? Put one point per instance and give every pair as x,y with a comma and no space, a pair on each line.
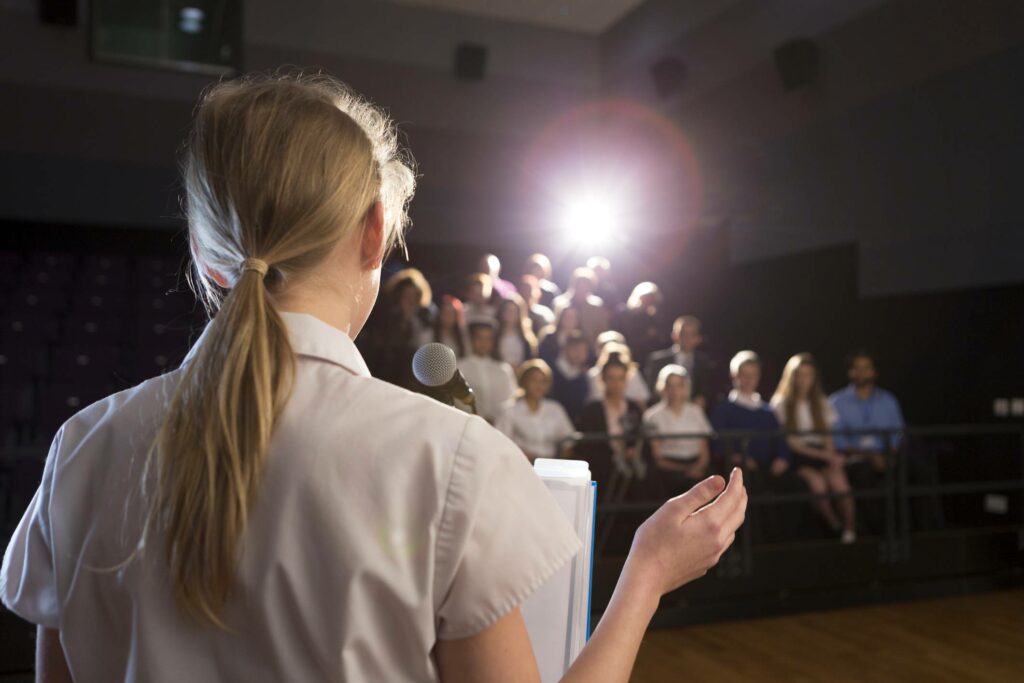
681,462
861,406
801,407
540,315
478,306
539,266
515,342
407,311
492,381
449,326
765,459
570,384
685,351
636,388
643,321
538,425
605,287
619,418
594,317
491,266
553,337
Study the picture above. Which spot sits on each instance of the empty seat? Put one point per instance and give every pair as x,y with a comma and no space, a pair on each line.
36,300
28,329
83,363
59,400
94,329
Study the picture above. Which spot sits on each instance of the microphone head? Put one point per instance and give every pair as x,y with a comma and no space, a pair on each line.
434,364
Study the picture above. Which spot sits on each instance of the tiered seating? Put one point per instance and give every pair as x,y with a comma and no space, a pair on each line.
74,328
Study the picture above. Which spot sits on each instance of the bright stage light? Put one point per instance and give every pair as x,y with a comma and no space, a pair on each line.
590,220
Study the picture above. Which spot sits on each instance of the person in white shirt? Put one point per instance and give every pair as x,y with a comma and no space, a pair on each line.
534,422
681,460
801,406
477,306
269,511
449,327
515,340
636,387
492,381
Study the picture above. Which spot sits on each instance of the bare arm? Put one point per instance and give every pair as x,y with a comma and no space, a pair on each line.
501,653
676,545
51,666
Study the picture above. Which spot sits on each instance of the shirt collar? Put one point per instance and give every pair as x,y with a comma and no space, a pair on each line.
314,338
752,401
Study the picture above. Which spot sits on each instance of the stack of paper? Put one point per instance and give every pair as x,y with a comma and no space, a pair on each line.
558,614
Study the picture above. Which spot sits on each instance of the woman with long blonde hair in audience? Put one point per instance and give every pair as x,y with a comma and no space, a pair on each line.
804,411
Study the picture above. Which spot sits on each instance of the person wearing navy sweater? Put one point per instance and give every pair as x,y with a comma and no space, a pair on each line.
570,383
766,460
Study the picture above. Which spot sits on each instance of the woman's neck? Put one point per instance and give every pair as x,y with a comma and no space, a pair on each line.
533,403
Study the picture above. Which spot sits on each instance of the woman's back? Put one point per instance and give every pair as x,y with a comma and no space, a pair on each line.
353,561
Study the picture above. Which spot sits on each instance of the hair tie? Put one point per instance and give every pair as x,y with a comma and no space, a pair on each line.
259,265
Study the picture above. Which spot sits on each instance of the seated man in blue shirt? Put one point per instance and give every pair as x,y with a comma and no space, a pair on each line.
862,406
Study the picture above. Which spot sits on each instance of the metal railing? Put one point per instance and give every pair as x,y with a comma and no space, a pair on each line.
896,490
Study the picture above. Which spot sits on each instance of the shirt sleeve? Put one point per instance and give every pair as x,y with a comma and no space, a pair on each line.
563,423
501,535
28,579
841,441
702,419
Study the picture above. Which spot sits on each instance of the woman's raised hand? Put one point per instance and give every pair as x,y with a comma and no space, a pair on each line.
687,535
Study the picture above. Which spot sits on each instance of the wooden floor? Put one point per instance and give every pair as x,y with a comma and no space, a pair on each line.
962,640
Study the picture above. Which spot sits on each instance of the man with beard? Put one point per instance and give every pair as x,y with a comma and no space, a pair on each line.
862,405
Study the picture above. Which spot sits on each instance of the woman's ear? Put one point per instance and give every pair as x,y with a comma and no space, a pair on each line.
372,247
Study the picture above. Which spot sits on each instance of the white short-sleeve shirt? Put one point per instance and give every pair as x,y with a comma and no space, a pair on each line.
636,387
661,419
537,433
385,521
493,384
805,420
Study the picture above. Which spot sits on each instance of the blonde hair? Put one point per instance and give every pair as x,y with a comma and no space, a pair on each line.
671,370
409,276
640,291
741,359
786,393
542,262
529,366
279,169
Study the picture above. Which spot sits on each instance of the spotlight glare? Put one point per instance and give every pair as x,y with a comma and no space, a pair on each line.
590,220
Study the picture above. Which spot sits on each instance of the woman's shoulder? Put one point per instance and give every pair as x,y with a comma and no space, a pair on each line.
654,411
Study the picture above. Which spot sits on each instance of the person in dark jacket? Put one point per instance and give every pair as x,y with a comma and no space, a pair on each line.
619,418
685,351
570,383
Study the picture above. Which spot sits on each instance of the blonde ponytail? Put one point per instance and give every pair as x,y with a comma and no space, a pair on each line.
278,169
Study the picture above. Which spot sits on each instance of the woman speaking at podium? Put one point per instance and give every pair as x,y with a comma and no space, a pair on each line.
270,512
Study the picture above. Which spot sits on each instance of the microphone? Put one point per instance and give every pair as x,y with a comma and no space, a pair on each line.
435,368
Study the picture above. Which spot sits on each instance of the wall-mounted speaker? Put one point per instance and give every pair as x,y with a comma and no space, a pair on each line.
798,62
470,61
59,12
